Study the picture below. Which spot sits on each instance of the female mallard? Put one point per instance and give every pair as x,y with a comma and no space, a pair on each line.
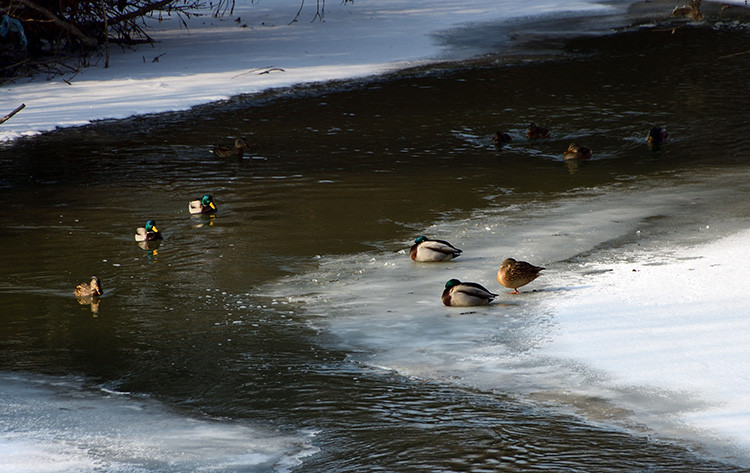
466,294
204,205
576,151
500,138
91,289
240,145
657,135
426,250
514,274
536,132
148,233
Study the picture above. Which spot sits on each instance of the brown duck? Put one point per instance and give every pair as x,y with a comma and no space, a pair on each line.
240,145
514,274
576,151
536,132
90,289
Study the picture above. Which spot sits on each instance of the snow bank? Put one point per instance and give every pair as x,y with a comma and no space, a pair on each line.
217,58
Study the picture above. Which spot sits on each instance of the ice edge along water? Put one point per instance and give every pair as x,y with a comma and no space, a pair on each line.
215,58
54,424
641,318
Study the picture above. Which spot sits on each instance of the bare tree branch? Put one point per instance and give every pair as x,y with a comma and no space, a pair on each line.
8,116
86,40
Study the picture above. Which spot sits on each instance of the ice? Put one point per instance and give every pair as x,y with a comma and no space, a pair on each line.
53,424
640,319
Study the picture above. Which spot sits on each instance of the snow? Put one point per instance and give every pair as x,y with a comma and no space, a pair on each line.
673,320
645,327
216,58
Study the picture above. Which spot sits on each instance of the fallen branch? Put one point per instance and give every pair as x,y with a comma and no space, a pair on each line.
8,116
69,27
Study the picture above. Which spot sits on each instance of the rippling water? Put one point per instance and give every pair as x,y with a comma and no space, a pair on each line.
223,322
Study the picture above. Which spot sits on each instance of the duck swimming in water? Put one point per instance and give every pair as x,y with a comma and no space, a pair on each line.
536,132
431,251
514,274
240,145
149,232
204,205
500,138
657,135
576,151
466,294
89,289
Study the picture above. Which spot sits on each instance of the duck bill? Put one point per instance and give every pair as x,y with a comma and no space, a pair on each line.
154,229
211,204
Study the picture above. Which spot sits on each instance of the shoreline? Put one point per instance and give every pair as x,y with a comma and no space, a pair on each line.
168,84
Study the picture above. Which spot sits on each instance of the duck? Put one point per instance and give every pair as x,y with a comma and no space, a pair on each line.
514,274
536,132
500,138
149,232
89,289
466,294
430,251
240,145
203,205
576,151
691,11
657,135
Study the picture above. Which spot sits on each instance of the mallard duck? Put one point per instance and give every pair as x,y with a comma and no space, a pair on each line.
148,233
537,132
691,11
466,294
426,250
500,138
90,289
576,151
657,135
240,145
204,205
514,274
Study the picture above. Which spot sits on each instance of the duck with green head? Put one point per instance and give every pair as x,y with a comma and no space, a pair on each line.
431,251
466,294
202,206
149,232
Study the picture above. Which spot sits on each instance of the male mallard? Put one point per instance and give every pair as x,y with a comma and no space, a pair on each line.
657,135
500,138
204,205
148,233
514,274
91,289
537,132
576,151
426,250
240,145
466,294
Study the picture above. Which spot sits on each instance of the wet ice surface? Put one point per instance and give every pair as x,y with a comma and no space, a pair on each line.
53,424
640,319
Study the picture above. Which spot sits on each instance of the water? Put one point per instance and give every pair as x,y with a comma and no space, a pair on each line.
253,326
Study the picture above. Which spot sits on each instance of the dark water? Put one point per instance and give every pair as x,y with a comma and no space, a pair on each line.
336,170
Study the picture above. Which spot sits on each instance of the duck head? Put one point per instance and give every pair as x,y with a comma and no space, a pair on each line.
208,201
